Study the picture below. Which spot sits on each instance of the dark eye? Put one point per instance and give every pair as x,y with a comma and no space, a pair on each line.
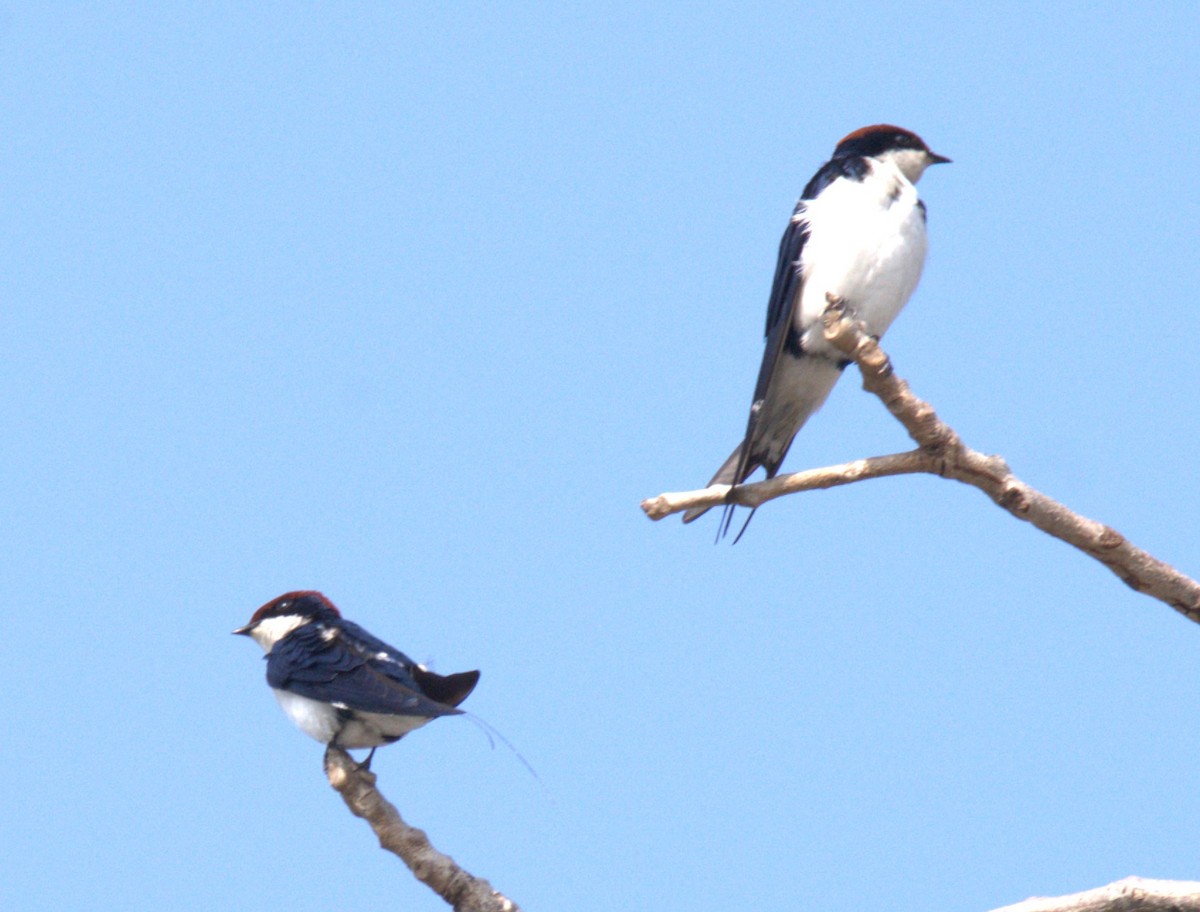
286,603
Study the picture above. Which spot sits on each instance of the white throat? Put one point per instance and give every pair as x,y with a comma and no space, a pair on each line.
911,162
270,631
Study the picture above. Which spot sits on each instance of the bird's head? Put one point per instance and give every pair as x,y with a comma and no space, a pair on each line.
280,616
885,142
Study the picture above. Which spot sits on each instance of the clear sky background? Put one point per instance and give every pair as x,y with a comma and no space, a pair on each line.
414,304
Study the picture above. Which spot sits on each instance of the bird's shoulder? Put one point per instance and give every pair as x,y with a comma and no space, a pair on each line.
373,648
848,167
320,652
314,653
850,170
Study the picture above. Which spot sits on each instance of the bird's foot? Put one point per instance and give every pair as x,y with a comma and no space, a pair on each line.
835,303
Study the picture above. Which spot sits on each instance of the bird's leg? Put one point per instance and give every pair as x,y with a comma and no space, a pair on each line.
366,764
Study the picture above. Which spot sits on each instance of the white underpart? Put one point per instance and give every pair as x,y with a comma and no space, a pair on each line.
374,729
323,722
803,385
270,631
317,720
866,245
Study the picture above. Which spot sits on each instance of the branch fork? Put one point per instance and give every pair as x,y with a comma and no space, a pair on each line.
940,451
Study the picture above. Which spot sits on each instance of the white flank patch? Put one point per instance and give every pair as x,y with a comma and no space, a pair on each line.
317,720
322,722
373,729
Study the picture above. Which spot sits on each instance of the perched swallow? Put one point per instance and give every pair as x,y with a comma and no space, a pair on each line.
341,685
858,233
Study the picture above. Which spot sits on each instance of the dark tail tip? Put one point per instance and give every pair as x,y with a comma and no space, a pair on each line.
732,472
448,689
745,525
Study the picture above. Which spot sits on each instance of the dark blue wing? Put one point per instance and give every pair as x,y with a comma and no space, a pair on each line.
372,645
387,659
334,670
785,293
787,280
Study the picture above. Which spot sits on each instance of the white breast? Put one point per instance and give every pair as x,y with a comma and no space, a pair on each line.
867,245
317,720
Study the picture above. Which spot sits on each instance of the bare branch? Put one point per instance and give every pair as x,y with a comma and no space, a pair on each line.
1133,894
941,452
463,891
752,495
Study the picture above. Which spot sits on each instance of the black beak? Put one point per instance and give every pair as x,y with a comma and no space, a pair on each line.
935,159
243,631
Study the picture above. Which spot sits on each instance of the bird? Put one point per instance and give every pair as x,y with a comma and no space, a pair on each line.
857,235
340,684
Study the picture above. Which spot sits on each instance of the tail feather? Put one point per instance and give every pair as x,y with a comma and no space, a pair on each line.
732,472
448,689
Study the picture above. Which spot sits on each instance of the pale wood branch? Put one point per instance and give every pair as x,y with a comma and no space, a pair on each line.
1133,894
463,891
752,495
940,451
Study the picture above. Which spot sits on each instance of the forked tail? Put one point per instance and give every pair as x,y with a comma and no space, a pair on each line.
733,471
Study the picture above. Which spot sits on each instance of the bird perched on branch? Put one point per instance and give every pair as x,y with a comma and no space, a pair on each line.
341,685
857,234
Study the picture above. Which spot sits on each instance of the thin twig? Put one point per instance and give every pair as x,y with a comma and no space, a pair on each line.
940,451
463,891
752,495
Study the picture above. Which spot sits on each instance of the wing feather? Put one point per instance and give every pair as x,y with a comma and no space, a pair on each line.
315,664
785,292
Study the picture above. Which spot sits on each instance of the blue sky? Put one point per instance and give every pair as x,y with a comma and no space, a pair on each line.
415,304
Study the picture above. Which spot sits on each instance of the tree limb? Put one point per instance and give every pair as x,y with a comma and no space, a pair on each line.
940,451
463,891
1133,894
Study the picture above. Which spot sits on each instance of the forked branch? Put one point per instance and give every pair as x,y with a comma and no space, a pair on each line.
940,451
